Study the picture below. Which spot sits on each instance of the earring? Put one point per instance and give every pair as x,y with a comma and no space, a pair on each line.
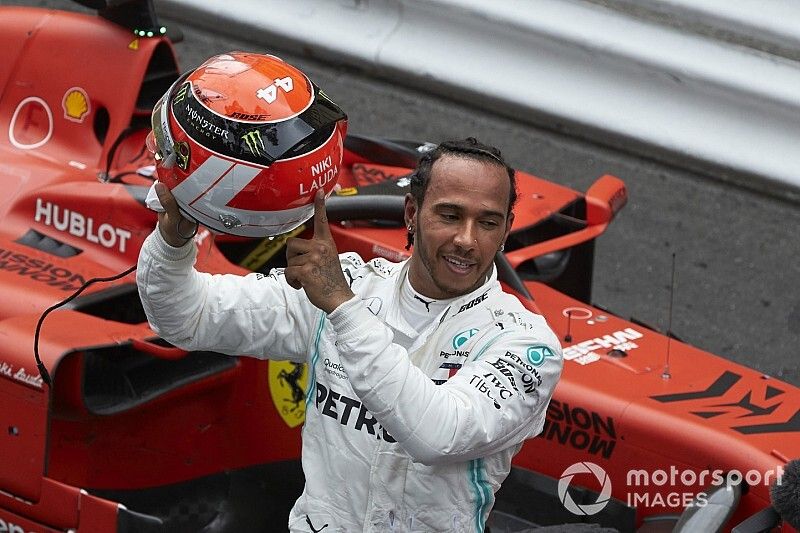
502,247
409,228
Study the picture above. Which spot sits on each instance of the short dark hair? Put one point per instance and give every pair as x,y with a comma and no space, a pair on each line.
469,147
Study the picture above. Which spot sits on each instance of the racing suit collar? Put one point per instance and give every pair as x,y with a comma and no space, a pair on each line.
395,320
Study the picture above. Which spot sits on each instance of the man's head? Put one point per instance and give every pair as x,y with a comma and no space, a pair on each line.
459,212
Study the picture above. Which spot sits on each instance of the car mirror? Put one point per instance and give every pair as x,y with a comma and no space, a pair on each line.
604,199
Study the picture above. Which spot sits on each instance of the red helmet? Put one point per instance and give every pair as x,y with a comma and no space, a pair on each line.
245,141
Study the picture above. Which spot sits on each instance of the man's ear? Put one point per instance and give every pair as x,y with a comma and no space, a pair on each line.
509,223
410,211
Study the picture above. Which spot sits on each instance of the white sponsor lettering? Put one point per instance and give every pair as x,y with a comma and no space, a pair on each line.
203,124
586,359
11,527
587,351
322,173
201,236
79,225
270,93
323,165
23,376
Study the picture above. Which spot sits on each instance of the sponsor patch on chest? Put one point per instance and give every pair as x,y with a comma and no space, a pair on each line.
449,364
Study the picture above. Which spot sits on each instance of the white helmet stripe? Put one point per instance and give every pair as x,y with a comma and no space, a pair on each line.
227,186
215,183
198,182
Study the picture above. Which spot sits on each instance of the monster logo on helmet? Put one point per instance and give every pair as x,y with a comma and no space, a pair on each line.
236,162
181,94
254,142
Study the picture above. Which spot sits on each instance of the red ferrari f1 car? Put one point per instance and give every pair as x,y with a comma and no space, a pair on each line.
134,435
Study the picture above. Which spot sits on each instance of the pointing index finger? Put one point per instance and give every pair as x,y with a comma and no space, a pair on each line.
321,228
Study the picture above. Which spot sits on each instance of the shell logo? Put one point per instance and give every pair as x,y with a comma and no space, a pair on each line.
76,104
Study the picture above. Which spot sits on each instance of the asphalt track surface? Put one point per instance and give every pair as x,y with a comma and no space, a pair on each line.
737,252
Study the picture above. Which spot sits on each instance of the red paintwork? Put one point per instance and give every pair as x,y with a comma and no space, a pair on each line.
51,445
240,79
653,435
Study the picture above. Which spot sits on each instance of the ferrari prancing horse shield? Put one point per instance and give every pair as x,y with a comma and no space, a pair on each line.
287,386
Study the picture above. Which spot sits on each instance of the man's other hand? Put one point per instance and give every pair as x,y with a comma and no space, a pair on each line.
171,223
313,264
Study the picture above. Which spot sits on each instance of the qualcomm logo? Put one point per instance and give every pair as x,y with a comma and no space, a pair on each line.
537,354
584,467
463,337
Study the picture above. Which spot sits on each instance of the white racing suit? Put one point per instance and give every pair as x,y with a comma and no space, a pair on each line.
404,439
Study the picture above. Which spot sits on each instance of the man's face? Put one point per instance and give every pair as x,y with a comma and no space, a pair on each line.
460,225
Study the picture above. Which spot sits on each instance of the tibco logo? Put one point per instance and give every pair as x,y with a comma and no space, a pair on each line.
584,468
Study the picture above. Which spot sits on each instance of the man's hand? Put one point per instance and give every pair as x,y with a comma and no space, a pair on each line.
313,264
171,223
